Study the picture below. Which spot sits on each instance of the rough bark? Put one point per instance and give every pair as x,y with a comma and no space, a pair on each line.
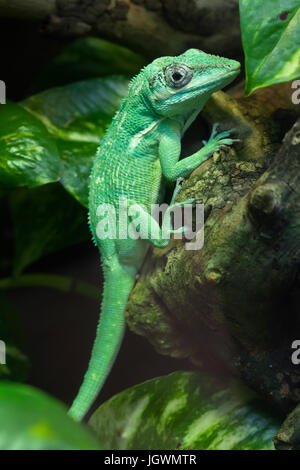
288,436
152,27
35,10
230,304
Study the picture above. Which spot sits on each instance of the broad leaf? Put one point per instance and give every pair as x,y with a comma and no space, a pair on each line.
28,155
270,35
46,219
88,58
54,136
31,420
77,116
184,410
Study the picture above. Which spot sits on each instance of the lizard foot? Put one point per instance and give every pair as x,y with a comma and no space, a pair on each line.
215,137
219,140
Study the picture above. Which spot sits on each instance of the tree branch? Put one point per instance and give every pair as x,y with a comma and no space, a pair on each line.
229,304
152,27
34,10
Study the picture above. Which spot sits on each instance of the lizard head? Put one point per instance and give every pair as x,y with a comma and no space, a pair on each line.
175,85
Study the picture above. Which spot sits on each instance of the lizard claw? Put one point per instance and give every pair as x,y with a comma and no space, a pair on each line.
179,181
212,135
177,187
217,137
214,131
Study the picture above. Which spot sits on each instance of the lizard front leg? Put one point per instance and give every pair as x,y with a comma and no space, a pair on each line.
170,149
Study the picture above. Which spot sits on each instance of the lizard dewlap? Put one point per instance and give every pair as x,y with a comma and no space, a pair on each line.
139,151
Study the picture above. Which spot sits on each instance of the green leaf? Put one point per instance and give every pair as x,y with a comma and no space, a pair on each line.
270,35
77,117
184,410
31,420
28,155
17,364
88,58
46,219
54,136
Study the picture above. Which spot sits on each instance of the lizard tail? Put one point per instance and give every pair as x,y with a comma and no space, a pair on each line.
117,286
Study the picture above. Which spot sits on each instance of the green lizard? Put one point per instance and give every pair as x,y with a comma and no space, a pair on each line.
138,152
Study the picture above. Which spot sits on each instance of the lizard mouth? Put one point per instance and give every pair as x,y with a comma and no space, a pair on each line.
223,79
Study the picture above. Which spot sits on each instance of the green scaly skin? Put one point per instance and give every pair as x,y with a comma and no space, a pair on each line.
139,151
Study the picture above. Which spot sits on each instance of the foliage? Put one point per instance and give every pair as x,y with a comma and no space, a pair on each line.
270,34
52,137
184,411
45,220
87,58
76,117
29,157
31,420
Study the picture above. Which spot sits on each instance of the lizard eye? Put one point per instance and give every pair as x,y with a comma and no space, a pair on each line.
178,75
